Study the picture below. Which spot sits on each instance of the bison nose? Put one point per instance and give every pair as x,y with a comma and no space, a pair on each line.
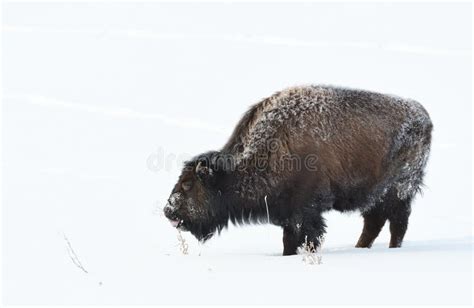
168,211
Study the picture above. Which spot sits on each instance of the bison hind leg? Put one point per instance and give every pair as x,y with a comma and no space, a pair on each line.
374,220
392,208
398,216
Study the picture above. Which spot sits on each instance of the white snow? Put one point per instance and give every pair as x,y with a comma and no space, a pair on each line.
102,103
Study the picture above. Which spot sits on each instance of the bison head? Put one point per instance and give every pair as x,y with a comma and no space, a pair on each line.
194,204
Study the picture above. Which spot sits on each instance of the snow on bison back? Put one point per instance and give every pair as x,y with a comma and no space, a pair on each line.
307,150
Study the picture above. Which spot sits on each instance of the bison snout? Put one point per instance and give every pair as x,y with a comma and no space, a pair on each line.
172,216
170,212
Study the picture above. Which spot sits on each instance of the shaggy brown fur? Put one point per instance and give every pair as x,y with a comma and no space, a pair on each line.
307,150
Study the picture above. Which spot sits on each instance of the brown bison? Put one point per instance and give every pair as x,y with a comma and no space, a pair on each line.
304,151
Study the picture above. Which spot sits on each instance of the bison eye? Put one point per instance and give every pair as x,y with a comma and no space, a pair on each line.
186,185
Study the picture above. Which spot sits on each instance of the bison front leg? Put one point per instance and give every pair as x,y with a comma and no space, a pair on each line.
308,230
291,240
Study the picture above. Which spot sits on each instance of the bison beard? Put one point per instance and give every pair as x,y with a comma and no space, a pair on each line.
302,152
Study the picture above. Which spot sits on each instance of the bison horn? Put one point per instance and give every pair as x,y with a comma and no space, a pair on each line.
197,166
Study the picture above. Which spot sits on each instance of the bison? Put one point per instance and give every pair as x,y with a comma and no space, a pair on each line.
304,151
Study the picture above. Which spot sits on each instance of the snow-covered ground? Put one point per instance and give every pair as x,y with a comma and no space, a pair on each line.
102,102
